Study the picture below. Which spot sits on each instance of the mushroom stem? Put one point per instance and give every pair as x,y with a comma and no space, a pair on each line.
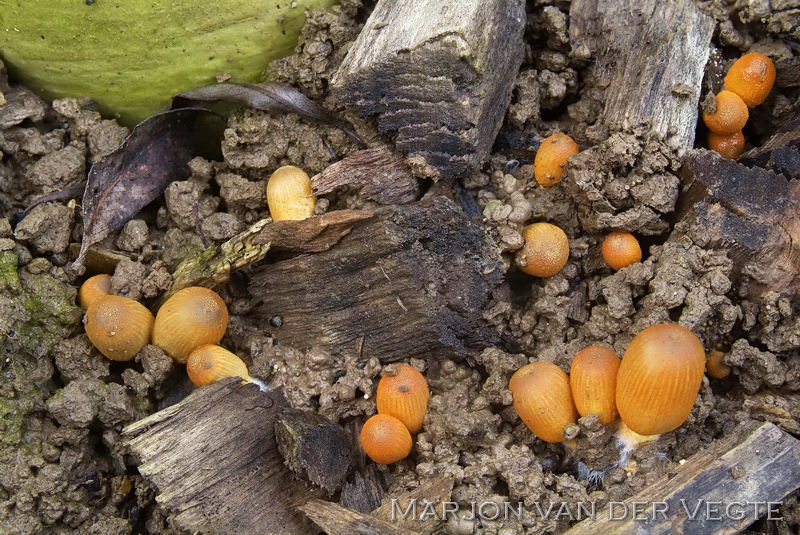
627,441
258,382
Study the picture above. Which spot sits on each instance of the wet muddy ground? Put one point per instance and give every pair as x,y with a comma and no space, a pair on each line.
63,405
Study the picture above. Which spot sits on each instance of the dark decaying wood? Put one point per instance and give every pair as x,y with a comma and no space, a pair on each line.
213,266
410,282
314,447
787,72
752,212
215,463
440,74
311,235
363,491
381,175
781,152
651,55
760,465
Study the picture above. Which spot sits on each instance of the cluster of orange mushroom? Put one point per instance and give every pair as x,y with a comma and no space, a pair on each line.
188,328
545,248
652,389
747,84
402,401
191,323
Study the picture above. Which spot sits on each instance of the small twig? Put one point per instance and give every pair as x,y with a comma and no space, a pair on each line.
71,192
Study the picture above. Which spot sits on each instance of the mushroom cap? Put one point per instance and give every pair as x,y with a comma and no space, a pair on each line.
192,317
659,378
118,327
404,395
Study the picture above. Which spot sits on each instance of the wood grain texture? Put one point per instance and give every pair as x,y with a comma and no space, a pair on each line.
651,55
363,491
752,212
440,74
338,520
213,267
388,519
381,175
760,465
215,462
410,282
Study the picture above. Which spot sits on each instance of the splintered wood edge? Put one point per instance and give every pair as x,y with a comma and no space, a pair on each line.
763,465
214,454
338,520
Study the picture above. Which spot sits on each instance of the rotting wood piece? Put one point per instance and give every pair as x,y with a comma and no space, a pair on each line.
751,212
380,175
363,491
410,282
781,152
396,516
651,56
338,520
314,447
213,266
760,465
215,462
440,74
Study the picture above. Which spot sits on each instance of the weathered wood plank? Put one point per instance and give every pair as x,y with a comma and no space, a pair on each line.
411,281
762,465
651,56
213,456
338,520
440,74
752,212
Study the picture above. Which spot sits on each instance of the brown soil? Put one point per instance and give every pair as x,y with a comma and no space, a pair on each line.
63,405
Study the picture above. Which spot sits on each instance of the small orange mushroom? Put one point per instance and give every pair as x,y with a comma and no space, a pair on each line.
211,363
192,317
621,249
385,439
551,159
715,365
593,379
404,395
545,251
730,146
730,116
290,195
543,399
751,77
118,327
659,378
93,289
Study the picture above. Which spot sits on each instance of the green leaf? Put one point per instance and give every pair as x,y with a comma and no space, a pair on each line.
131,56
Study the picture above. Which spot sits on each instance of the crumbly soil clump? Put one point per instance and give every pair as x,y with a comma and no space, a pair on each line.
63,405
